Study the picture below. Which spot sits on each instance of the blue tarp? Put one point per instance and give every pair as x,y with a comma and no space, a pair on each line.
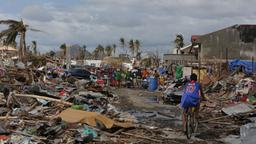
249,66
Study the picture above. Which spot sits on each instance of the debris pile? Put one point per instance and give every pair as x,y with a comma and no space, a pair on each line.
39,104
227,106
230,105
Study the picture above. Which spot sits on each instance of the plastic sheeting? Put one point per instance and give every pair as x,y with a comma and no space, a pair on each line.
249,66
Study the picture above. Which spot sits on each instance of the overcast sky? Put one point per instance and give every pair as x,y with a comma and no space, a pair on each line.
154,22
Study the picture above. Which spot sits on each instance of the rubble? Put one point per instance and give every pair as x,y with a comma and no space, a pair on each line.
40,104
39,107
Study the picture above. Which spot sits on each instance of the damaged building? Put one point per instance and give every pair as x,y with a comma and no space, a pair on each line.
234,42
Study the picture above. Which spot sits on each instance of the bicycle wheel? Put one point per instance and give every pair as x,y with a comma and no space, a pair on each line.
194,123
188,126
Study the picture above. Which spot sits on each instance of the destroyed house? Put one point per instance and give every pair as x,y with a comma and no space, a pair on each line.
234,42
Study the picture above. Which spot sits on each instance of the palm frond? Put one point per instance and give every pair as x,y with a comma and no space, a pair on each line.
6,32
9,22
35,30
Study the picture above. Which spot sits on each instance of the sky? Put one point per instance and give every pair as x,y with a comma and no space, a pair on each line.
154,23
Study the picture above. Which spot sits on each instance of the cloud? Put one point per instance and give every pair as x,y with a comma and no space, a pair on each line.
154,22
37,13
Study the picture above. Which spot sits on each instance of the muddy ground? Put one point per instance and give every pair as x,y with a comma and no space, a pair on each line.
149,110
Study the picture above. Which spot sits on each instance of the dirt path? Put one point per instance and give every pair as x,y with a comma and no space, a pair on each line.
145,106
141,100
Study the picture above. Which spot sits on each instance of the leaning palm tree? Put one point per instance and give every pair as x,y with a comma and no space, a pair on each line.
9,35
132,47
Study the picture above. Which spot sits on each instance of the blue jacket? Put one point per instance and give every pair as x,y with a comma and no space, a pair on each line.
191,97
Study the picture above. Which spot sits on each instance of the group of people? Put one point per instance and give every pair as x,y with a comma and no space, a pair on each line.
133,77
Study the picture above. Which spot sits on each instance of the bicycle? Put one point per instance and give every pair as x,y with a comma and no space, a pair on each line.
191,122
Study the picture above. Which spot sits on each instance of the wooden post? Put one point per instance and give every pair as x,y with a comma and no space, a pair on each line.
199,59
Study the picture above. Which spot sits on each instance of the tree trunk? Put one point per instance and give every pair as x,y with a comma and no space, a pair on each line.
24,43
22,49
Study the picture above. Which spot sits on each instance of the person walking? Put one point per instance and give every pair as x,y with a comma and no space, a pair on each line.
118,77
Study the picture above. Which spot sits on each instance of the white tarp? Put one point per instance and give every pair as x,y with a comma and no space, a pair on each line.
187,71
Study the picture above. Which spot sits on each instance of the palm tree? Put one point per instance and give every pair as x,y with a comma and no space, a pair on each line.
95,53
108,50
132,47
84,52
137,47
9,35
179,42
98,53
34,47
52,54
101,51
84,48
123,45
63,47
114,49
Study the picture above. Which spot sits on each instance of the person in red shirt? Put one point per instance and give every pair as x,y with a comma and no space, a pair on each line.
144,73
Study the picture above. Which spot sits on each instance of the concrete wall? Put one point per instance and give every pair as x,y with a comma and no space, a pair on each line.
216,44
179,58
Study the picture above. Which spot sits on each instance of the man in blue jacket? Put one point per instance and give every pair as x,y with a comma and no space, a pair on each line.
191,97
